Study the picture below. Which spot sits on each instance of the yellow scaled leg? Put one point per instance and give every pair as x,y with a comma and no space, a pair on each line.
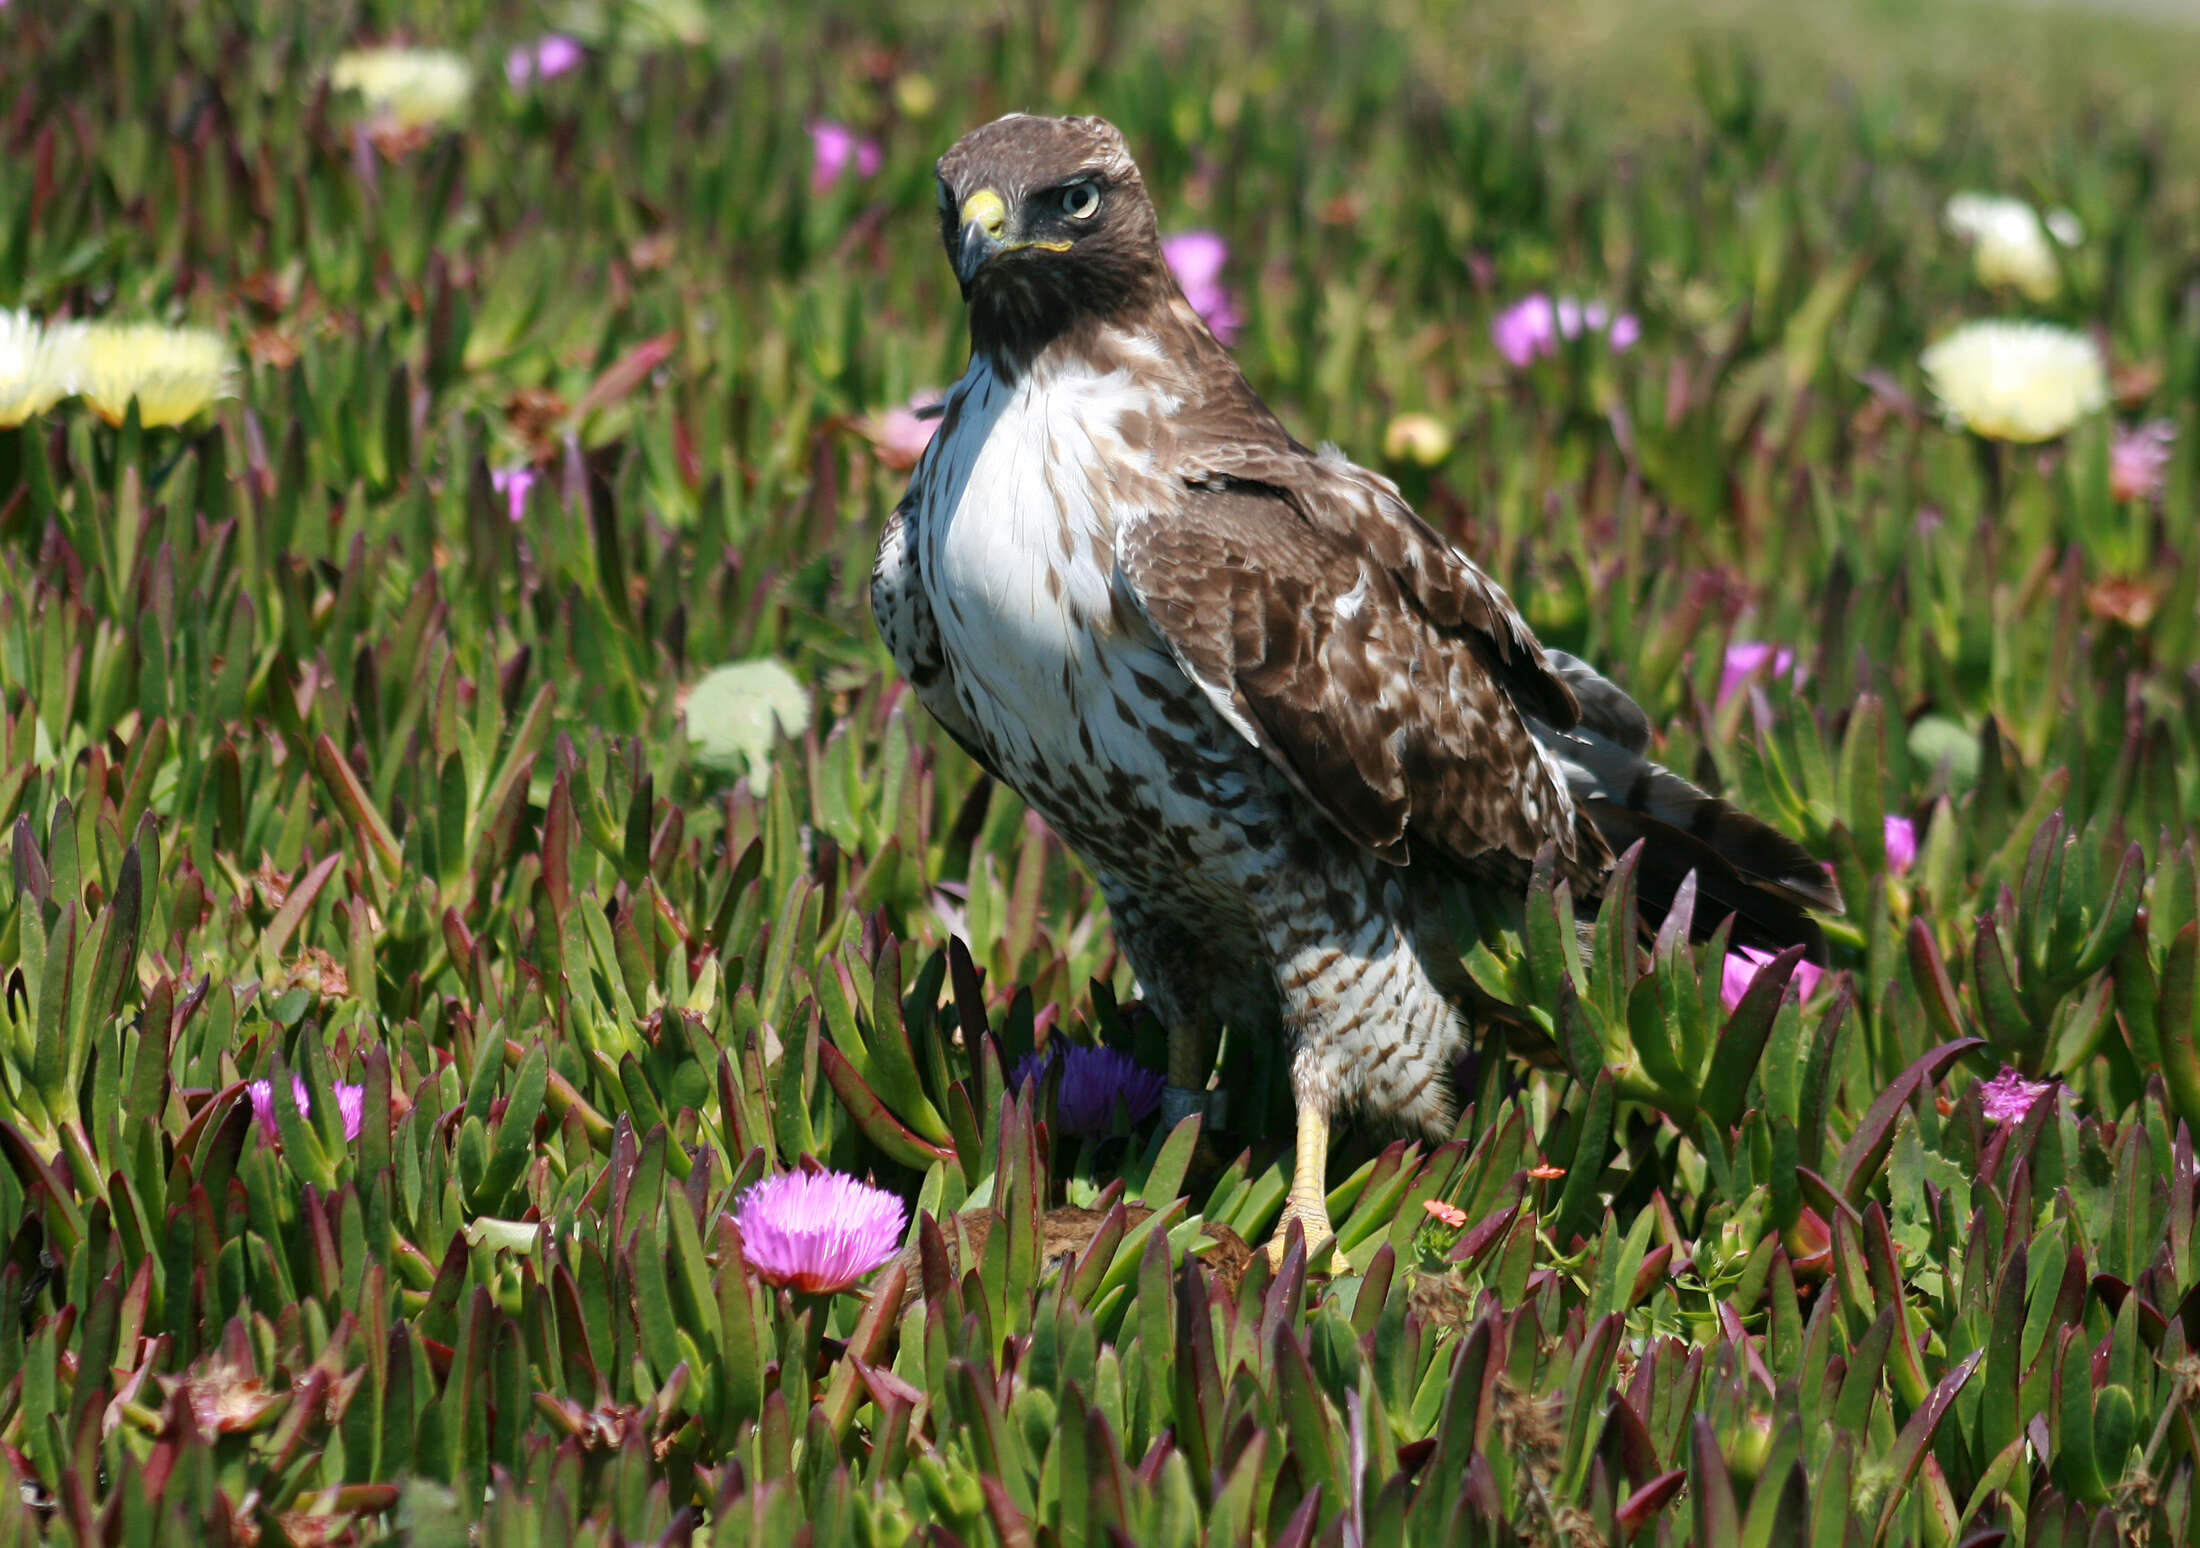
1308,1200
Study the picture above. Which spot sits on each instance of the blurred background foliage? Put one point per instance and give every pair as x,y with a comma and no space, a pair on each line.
347,733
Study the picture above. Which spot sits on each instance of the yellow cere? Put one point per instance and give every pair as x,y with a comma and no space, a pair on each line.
986,208
174,373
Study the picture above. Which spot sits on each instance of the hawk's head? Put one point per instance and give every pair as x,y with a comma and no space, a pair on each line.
1046,220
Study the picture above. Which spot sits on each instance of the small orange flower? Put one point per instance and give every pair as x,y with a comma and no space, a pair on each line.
1450,1214
1546,1173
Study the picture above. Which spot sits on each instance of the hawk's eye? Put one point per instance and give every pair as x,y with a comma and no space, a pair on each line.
947,198
1081,201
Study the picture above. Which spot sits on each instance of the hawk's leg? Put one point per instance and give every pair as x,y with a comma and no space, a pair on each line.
1371,1029
1189,958
1308,1200
1190,1063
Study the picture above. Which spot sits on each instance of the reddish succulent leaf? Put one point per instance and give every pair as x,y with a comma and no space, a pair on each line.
1650,1498
879,1125
625,374
1866,1151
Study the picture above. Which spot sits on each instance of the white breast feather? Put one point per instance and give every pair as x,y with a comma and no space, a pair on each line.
1033,479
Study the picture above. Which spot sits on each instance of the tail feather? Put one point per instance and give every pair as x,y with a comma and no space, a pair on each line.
1744,866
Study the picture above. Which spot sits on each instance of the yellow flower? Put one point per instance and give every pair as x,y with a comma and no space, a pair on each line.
2011,243
1417,438
34,375
174,373
412,87
915,95
2016,381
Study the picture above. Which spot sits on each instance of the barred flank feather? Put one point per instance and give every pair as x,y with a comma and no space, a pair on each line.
1743,866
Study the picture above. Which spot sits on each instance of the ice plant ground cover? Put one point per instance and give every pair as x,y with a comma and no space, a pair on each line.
472,730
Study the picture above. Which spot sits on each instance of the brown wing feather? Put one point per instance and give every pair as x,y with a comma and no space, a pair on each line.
1375,669
1365,511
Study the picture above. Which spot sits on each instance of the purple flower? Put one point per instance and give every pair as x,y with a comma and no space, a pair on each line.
835,149
1093,1081
542,60
1196,259
2137,459
1743,964
513,484
1533,326
2009,1096
1901,838
902,432
818,1231
1525,330
1744,657
350,1101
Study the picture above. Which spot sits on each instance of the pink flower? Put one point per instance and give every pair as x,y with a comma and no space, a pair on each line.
1093,1081
513,484
835,149
1901,840
1525,330
1743,964
2009,1096
901,433
350,1102
818,1231
1744,657
2137,459
1533,326
1196,259
1447,1214
545,59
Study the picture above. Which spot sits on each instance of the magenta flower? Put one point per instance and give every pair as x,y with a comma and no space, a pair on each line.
351,1101
1901,839
1743,964
1525,330
545,59
2138,458
835,150
1196,259
1094,1080
818,1231
901,433
1743,658
2009,1096
1533,327
513,484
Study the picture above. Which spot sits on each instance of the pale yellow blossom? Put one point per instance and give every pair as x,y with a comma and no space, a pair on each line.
1420,439
173,373
412,88
2012,247
34,375
2016,381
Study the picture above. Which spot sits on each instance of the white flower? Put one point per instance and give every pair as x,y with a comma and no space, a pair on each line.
2016,381
34,373
2011,244
412,87
174,373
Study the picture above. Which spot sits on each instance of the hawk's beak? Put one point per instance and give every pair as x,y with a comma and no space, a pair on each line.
984,220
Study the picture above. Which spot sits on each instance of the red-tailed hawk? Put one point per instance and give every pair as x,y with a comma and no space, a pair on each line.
1273,711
